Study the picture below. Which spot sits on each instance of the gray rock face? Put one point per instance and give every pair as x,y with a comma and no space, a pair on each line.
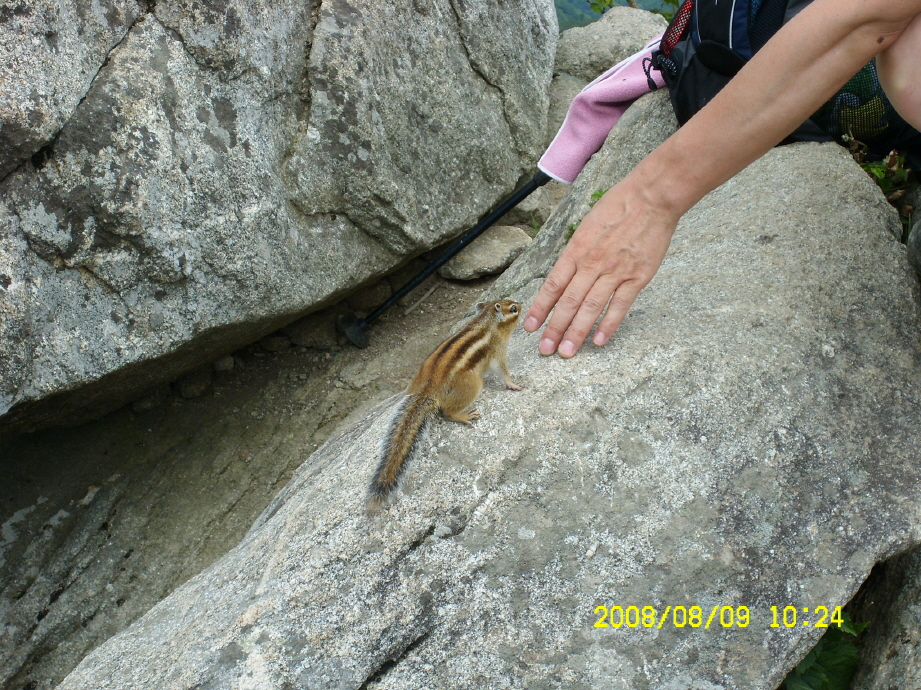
563,89
100,522
913,246
233,165
534,210
587,51
49,56
748,439
488,254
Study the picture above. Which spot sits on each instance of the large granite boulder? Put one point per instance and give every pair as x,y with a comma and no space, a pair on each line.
49,55
748,439
587,51
178,179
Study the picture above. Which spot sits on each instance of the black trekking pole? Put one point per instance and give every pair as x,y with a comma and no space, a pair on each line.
356,329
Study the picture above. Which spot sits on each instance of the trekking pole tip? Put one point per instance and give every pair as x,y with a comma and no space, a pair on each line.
354,329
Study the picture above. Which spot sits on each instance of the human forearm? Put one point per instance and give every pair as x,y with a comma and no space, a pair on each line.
619,245
799,69
897,68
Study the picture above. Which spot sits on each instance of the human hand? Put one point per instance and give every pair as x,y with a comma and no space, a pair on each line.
613,254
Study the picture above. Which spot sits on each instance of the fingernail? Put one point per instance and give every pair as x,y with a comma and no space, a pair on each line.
567,349
530,324
600,339
546,347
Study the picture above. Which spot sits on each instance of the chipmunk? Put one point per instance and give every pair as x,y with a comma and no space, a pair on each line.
448,381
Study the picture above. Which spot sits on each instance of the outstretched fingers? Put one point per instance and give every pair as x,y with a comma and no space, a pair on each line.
611,257
618,307
575,329
571,303
556,283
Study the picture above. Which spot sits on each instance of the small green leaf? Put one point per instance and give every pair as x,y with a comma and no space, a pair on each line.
832,662
596,195
893,178
850,627
535,223
810,660
837,664
797,683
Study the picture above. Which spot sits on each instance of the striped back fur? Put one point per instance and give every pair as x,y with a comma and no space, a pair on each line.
471,348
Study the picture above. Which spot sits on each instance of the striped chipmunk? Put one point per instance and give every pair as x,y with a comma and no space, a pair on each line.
448,381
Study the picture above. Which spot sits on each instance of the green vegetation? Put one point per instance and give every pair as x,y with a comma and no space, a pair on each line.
570,13
535,225
831,663
893,178
600,6
596,195
666,8
571,228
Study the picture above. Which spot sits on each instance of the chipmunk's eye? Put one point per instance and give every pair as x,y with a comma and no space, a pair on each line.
514,309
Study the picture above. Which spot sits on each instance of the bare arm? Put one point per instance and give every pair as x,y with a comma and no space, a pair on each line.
621,242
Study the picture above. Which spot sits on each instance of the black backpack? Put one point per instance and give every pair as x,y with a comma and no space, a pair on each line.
708,42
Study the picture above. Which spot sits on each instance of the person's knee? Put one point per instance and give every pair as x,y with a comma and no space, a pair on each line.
899,70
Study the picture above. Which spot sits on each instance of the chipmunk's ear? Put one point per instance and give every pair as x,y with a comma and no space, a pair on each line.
499,308
480,307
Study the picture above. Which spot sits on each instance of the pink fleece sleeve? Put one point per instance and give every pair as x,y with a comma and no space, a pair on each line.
594,112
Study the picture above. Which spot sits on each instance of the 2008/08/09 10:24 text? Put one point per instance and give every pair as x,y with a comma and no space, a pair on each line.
718,616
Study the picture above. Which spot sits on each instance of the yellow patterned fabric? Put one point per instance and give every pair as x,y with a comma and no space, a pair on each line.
860,110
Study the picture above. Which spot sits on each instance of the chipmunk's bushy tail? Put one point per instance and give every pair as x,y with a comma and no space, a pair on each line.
408,424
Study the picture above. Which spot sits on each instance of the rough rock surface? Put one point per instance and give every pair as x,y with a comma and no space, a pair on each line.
488,254
747,439
534,210
189,184
370,298
49,55
587,51
914,247
100,522
563,89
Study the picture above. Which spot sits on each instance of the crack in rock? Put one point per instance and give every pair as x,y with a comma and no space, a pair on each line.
46,149
474,65
393,659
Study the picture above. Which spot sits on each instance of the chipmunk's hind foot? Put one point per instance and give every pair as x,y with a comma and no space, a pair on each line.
465,417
